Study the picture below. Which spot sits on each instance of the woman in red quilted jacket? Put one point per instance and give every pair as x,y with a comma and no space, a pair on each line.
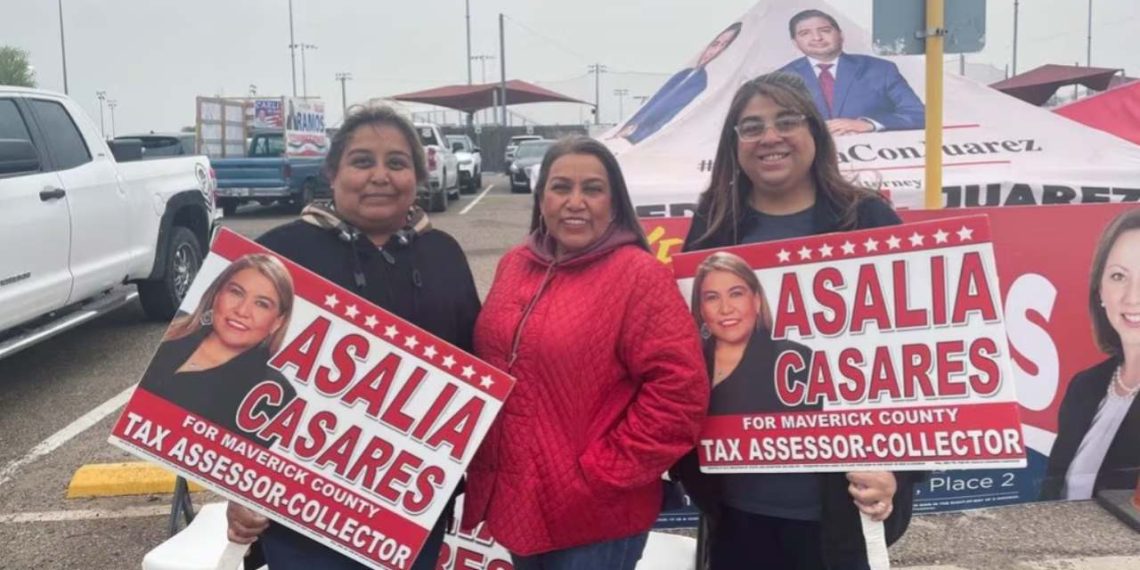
611,386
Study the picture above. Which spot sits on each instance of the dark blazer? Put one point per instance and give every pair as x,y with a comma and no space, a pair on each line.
751,388
841,530
1121,465
866,88
674,96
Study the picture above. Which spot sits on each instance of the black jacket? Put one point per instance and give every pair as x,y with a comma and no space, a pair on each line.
1121,464
742,392
420,275
842,536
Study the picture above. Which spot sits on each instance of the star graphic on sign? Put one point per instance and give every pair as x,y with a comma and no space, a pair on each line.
916,239
965,234
871,244
486,382
410,341
805,253
784,255
390,331
848,248
448,361
351,311
893,242
430,352
940,236
468,372
370,321
331,301
825,251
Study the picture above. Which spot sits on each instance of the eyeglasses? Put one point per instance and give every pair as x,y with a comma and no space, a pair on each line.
753,129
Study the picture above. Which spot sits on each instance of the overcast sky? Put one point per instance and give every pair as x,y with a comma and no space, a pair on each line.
155,56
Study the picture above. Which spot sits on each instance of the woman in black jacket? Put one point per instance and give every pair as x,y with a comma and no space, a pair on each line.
1098,425
375,242
776,176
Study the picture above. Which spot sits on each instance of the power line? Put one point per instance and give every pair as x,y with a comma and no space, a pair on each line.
553,41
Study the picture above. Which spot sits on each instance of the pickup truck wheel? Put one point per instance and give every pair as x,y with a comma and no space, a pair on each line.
438,202
229,207
160,297
308,194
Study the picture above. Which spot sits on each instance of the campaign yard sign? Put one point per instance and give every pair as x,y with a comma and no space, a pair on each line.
301,400
878,349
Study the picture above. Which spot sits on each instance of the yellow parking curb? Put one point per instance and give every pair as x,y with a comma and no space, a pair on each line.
120,479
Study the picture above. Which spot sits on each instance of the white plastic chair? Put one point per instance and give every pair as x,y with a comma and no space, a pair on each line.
200,546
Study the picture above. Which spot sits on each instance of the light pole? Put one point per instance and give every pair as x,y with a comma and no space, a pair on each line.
1088,56
62,47
483,67
1016,4
304,75
342,77
468,3
252,90
597,69
292,49
621,93
101,96
111,104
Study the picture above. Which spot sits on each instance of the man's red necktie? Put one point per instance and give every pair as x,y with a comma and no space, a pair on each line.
827,85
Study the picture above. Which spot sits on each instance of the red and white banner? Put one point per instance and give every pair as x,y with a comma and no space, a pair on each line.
338,419
883,348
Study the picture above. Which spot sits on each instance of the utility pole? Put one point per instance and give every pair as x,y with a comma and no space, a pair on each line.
468,2
621,93
62,47
641,99
292,49
304,75
597,69
111,104
1015,11
1088,56
483,67
101,96
502,71
252,90
342,77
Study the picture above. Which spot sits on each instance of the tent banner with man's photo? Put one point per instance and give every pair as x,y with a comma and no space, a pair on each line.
876,349
302,401
997,150
1044,259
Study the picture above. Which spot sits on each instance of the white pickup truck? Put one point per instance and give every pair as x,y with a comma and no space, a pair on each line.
443,170
81,228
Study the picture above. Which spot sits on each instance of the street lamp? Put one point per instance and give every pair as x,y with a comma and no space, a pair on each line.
304,77
111,104
62,47
292,49
101,96
483,66
252,90
621,93
342,77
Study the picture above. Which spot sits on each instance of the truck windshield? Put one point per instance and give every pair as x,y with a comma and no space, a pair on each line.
427,136
533,149
462,141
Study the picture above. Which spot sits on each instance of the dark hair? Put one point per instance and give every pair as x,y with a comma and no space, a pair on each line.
374,115
813,13
729,192
1106,337
624,214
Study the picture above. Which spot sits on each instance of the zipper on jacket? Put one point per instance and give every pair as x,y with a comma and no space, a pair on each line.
526,314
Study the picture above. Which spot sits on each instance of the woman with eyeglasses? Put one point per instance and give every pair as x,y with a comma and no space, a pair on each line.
776,176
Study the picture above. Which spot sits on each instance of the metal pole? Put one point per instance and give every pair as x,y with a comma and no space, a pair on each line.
597,69
502,71
342,77
935,38
111,104
62,47
101,96
304,74
621,93
468,2
1015,11
1088,56
292,49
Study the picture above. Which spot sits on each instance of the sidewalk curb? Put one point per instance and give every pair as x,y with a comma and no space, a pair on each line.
121,479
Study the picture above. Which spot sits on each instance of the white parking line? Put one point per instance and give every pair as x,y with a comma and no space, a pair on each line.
64,435
476,200
85,515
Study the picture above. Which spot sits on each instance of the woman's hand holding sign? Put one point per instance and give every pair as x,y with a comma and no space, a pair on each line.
244,525
873,492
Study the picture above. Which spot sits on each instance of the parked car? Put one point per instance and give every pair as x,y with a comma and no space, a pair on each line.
509,156
84,232
268,175
443,170
470,163
163,145
528,155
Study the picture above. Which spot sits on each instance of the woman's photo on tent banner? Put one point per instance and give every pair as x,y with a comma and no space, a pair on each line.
302,401
879,349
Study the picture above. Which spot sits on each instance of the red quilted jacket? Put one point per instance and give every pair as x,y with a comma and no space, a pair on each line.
611,391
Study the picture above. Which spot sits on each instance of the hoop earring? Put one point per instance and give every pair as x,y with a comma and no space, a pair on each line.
207,317
705,332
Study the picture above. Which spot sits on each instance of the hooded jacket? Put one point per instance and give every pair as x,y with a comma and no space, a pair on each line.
611,389
421,275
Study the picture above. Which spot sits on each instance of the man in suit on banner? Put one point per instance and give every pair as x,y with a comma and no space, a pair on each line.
678,92
855,93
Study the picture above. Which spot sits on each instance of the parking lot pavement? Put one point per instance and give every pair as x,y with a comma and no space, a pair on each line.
47,389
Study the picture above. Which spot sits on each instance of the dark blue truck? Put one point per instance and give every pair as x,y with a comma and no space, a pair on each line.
267,175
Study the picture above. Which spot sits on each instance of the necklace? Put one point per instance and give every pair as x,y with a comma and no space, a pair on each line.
1119,382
